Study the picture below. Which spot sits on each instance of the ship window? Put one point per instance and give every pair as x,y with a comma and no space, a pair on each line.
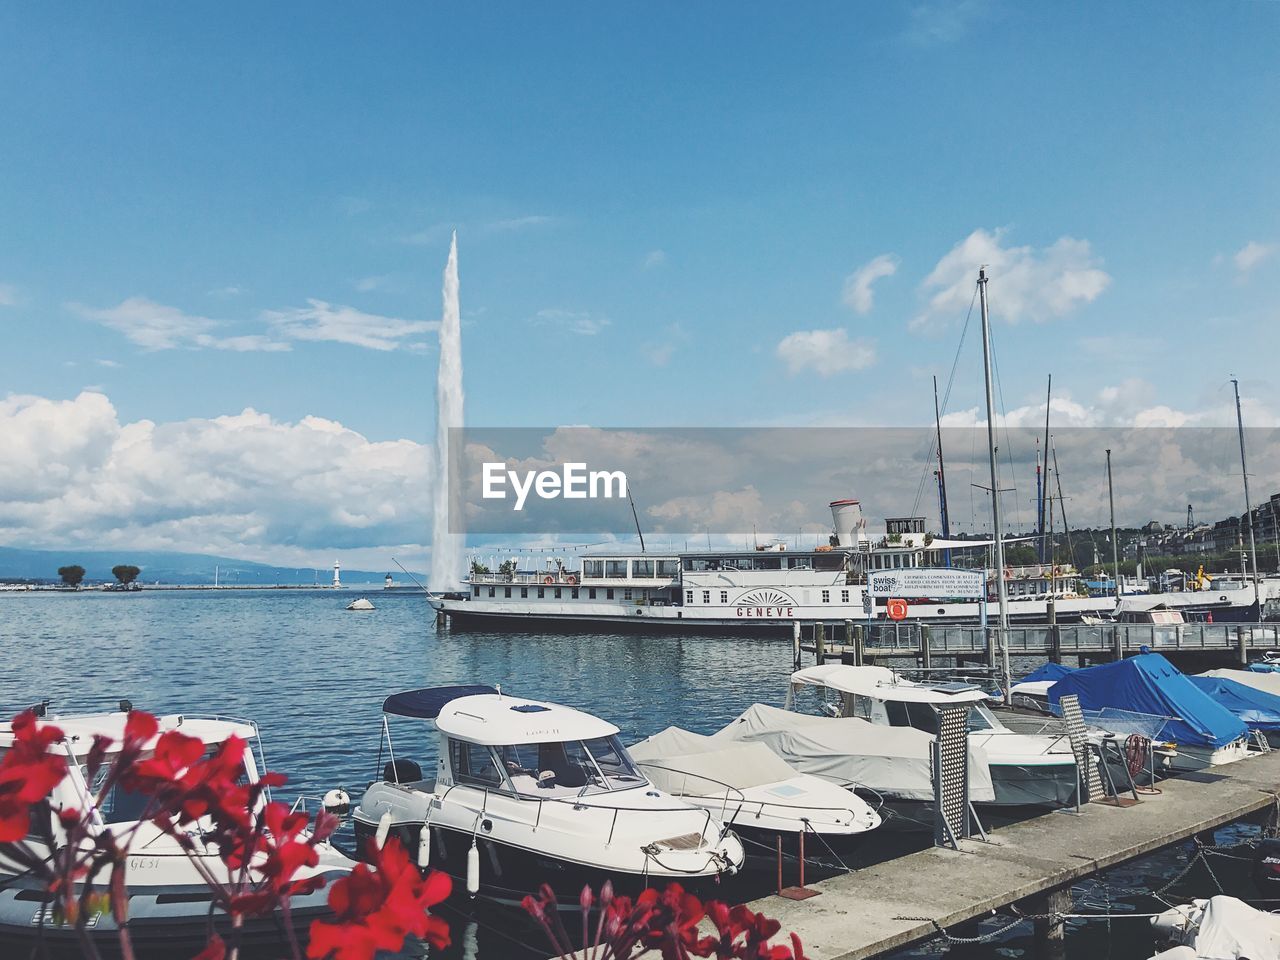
477,591
492,592
593,569
542,592
767,563
524,593
591,593
918,715
642,568
559,593
626,594
506,592
615,569
826,596
608,594
668,568
575,593
473,764
844,596
688,596
724,596
706,596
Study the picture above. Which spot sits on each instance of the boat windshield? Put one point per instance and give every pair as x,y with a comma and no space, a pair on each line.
119,804
569,768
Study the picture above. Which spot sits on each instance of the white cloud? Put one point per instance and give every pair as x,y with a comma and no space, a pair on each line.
113,364
321,321
661,351
226,292
367,284
654,258
248,485
943,21
1025,283
574,321
1252,254
518,223
858,293
150,325
8,295
826,352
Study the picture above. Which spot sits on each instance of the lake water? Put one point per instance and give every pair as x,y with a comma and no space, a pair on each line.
314,677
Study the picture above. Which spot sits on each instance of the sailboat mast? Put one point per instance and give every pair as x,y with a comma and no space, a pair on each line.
1044,494
1248,506
1115,547
998,538
945,513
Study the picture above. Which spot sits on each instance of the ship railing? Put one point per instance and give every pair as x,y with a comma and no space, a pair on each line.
733,796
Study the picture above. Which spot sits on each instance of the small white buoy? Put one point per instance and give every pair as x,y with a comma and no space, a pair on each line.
360,604
384,827
424,846
337,802
473,870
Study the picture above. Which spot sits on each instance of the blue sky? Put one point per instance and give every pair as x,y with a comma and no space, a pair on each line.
662,209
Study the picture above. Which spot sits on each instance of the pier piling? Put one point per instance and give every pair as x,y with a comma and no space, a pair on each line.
1050,928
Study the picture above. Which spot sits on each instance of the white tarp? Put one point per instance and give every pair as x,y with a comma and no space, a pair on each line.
681,762
1266,682
1222,928
894,761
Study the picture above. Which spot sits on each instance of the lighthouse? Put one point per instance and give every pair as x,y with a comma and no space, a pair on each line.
337,582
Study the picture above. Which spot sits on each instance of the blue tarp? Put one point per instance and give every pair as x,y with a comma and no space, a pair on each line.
1047,671
1257,709
1148,683
426,704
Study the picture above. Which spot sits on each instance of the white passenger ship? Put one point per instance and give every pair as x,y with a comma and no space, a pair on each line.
763,590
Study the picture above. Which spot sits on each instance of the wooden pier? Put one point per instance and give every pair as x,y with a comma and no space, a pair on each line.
859,643
875,910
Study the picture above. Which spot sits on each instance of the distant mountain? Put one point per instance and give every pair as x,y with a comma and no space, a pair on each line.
165,567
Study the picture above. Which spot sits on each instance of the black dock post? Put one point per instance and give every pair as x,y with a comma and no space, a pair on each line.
926,655
1051,931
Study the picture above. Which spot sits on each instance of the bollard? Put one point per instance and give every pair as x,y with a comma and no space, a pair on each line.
1242,646
819,643
858,654
926,655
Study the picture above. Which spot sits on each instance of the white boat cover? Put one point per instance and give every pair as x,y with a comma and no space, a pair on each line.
893,761
678,752
1222,928
1266,682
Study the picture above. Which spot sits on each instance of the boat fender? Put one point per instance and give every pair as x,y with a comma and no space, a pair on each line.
384,827
473,870
424,846
337,802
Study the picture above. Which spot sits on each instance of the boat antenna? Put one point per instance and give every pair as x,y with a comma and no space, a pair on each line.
1115,545
942,476
1248,506
410,575
636,518
1001,588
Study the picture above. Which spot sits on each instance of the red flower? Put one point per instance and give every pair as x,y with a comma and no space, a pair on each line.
27,774
378,908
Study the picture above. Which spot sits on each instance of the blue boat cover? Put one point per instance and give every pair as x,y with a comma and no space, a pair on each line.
426,704
1047,671
1264,668
1257,709
1148,683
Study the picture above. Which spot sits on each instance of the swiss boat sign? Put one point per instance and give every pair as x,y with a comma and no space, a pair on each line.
926,583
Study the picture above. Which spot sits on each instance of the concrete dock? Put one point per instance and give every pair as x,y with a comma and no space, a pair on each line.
860,914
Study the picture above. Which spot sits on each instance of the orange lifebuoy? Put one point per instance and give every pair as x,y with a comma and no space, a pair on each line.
571,579
896,608
1008,573
548,579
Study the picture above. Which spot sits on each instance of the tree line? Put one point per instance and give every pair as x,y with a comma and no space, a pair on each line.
73,574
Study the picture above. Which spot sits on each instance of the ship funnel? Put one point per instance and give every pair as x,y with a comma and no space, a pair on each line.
851,528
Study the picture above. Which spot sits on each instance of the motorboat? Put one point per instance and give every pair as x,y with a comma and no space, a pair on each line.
1220,928
1026,770
360,603
170,903
890,766
527,792
750,788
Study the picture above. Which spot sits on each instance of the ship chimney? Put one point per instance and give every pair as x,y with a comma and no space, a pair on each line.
851,528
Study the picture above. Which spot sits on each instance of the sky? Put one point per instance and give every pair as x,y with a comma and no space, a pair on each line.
223,230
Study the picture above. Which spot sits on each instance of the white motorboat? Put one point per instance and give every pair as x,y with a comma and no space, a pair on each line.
750,788
1221,928
170,903
1026,770
526,793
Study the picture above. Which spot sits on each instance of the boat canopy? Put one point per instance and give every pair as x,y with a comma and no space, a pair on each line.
1256,709
427,703
667,756
891,760
1267,682
1148,683
881,683
496,720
